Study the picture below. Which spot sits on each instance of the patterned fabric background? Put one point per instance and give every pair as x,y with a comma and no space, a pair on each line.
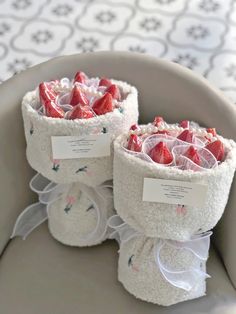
199,34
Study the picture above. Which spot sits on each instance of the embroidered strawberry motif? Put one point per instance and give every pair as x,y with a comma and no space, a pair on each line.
131,264
181,210
78,97
80,112
134,143
186,136
217,149
161,154
193,155
80,77
103,105
70,201
114,91
184,124
105,82
56,164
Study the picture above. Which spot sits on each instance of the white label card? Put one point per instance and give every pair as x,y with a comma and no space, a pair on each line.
174,192
86,146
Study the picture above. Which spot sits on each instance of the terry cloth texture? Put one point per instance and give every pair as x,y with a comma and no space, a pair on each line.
79,216
141,276
164,220
90,171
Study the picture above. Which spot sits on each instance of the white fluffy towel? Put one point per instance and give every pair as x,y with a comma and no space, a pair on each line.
78,217
77,214
90,171
161,271
162,220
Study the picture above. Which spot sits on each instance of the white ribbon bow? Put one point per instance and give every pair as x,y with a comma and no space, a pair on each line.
197,245
48,192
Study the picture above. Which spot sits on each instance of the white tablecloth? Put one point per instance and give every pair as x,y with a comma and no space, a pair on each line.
199,34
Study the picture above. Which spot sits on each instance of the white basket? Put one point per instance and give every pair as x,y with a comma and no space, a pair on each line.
163,220
90,171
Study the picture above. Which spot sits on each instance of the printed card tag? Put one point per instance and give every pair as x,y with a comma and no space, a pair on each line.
174,192
86,146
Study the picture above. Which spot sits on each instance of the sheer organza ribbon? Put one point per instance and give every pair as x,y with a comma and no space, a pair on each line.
197,245
48,192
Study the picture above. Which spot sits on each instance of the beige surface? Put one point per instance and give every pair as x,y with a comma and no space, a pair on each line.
40,273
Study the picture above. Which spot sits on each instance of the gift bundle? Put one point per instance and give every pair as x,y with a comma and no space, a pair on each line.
70,126
170,185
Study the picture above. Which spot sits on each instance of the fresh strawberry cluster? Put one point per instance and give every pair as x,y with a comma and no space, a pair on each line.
190,140
80,103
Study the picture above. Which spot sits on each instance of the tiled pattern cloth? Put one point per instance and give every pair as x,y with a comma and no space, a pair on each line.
200,34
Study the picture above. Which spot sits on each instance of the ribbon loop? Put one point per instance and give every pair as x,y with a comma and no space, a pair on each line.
122,231
33,216
197,245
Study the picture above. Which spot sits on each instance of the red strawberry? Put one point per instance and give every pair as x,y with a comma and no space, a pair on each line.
105,82
81,112
134,143
78,97
134,127
114,91
212,131
217,149
184,124
48,97
46,92
161,154
80,77
103,104
158,120
186,136
192,154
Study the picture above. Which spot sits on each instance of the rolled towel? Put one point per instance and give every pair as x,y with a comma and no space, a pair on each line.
161,271
77,214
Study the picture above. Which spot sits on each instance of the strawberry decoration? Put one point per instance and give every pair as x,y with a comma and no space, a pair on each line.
186,136
105,82
81,112
78,97
114,91
134,127
80,77
161,154
134,143
158,120
184,124
193,155
46,93
48,97
103,105
217,149
212,131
